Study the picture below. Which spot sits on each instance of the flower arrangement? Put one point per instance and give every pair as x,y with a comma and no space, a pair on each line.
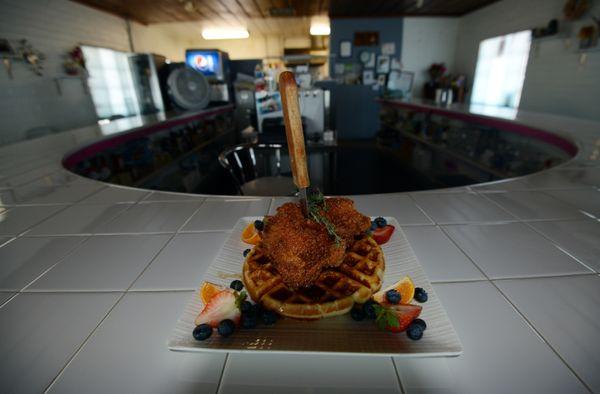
75,62
436,71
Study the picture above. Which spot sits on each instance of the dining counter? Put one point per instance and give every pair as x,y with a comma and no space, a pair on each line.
94,276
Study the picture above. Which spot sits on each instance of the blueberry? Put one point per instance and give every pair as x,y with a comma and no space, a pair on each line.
414,332
258,310
373,226
393,296
226,327
380,222
246,252
202,332
269,317
248,320
420,294
259,225
421,323
237,285
246,307
357,314
369,309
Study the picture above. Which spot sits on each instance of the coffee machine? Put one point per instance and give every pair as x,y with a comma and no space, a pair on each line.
214,64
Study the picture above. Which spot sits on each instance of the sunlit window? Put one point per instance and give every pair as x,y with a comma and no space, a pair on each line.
110,82
500,72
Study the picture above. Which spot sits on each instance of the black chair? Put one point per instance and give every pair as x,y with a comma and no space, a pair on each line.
259,169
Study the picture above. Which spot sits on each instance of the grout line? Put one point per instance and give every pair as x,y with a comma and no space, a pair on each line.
542,338
23,232
60,260
81,346
8,299
222,374
527,322
411,197
463,252
560,247
400,385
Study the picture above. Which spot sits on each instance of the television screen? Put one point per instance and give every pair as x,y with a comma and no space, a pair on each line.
207,62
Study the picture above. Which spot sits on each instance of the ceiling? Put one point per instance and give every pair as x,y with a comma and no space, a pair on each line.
240,11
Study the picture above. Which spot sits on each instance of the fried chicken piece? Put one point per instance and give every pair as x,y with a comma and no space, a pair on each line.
347,220
298,247
301,248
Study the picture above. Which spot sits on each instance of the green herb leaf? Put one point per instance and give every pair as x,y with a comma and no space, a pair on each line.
385,317
316,202
239,298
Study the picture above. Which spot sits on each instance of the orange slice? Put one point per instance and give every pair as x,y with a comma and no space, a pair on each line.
404,286
208,291
250,235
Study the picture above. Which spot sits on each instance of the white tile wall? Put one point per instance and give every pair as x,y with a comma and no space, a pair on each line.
555,81
53,27
426,41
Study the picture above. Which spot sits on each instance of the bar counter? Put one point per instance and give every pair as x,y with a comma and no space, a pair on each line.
93,276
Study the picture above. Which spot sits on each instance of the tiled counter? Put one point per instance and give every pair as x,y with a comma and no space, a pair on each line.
93,277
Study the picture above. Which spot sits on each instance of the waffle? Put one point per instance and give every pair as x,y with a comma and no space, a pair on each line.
335,291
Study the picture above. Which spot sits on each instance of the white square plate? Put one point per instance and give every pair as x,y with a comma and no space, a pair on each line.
336,335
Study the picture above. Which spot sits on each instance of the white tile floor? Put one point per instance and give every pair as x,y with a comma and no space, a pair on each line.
512,250
566,312
438,255
41,332
501,352
25,259
79,219
257,374
446,208
127,354
585,200
44,333
15,220
580,238
102,263
182,263
152,217
400,207
115,195
534,205
218,215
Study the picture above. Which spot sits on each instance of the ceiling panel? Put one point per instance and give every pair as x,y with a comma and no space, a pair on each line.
240,11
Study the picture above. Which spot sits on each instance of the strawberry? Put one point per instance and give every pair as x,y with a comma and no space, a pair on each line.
396,318
220,307
382,234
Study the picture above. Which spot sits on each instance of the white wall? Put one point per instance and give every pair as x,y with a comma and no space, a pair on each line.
555,81
161,39
426,41
54,27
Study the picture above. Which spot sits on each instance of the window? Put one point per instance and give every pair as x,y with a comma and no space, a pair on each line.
110,82
500,72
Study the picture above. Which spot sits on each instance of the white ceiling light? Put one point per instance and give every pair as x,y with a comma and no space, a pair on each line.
319,26
225,33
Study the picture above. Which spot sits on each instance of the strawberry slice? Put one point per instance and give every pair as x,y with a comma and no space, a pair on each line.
220,307
382,234
405,314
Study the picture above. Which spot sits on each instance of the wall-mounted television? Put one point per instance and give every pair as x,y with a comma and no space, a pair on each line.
208,62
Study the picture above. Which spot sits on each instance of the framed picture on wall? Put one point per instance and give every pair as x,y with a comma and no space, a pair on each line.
401,81
368,77
383,64
366,38
345,49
